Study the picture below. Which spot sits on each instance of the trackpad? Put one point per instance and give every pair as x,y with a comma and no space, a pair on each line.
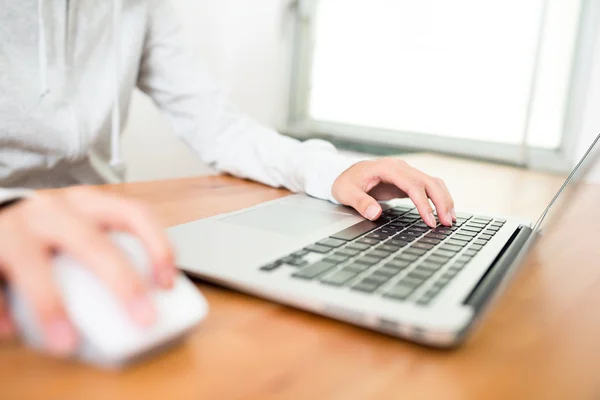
286,219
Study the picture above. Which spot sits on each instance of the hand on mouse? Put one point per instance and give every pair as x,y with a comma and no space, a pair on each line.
361,185
76,221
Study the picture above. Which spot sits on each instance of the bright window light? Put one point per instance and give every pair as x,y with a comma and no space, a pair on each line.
460,68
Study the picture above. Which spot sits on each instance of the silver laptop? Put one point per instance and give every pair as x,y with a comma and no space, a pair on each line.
395,275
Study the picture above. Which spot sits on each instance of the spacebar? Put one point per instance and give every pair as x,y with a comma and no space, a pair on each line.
359,229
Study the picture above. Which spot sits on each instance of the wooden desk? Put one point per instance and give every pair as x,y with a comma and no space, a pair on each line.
540,341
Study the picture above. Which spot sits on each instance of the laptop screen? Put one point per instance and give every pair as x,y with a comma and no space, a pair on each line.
572,184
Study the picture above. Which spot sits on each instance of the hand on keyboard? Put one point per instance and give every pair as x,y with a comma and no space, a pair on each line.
361,185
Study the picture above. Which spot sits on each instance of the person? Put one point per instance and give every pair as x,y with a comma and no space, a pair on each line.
67,73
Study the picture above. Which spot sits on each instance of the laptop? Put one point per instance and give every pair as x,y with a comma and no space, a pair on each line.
395,275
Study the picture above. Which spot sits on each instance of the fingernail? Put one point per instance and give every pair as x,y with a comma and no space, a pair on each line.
453,213
449,218
62,340
142,310
372,212
431,220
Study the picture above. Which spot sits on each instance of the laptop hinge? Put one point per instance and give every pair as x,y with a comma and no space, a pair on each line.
490,281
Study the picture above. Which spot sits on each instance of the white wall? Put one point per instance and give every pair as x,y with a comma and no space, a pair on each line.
246,45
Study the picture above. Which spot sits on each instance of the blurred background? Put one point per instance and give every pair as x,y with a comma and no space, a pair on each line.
511,81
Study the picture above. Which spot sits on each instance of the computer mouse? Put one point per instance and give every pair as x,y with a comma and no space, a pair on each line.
107,336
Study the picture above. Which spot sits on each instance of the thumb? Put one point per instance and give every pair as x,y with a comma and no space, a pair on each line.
366,205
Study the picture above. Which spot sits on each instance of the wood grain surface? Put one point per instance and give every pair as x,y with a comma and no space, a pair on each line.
541,340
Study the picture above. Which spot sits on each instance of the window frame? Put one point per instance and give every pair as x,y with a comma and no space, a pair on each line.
299,123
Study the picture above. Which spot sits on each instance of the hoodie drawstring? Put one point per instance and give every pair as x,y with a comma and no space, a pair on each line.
42,55
115,163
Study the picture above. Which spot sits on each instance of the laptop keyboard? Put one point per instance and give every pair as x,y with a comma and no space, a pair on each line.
395,256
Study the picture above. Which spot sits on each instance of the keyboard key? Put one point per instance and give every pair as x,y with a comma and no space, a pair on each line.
384,271
444,253
418,273
356,267
475,247
397,264
367,260
470,253
338,278
413,250
396,243
413,234
365,287
377,254
480,242
464,238
468,228
430,266
287,260
331,242
317,248
450,247
501,221
466,233
388,248
407,257
400,292
347,252
435,236
424,246
421,224
411,281
463,259
271,267
314,270
300,253
368,241
403,237
297,262
429,241
376,279
484,237
377,236
424,301
456,242
481,220
358,246
333,259
476,224
357,230
492,228
437,259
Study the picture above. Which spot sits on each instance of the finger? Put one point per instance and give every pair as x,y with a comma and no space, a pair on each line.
28,268
441,199
414,189
120,214
7,327
356,198
79,238
451,206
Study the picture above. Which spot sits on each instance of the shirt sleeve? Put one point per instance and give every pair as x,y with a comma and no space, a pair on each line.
10,195
215,129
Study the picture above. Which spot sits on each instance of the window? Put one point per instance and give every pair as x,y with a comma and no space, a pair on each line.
495,79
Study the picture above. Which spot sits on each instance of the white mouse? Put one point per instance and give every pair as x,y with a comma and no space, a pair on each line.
107,335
